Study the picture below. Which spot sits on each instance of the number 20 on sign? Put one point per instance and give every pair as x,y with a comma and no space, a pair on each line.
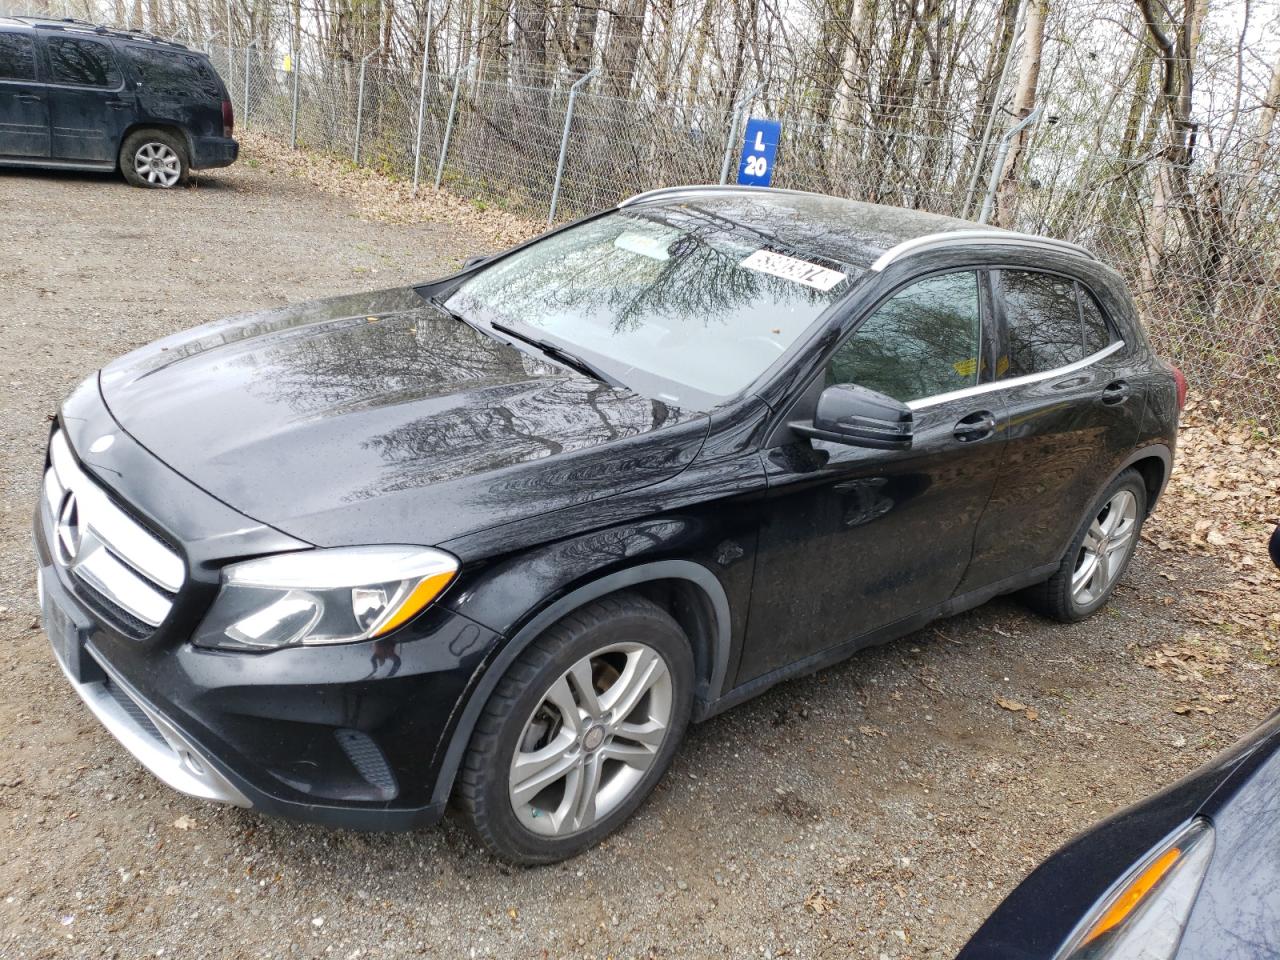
759,149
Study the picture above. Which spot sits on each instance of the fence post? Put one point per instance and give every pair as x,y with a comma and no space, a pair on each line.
293,122
734,123
448,125
364,63
564,141
422,104
247,60
1002,151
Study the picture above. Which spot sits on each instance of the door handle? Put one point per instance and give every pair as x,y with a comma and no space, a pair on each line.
28,98
976,426
118,104
1115,392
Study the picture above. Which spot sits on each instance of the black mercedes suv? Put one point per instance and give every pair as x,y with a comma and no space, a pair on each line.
499,537
81,97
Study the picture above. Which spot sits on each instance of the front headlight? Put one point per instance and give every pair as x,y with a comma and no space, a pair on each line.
337,595
1144,918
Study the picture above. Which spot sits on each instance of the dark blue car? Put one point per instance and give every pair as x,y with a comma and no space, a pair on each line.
1192,873
81,97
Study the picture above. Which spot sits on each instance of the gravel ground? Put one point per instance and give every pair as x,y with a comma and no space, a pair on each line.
879,809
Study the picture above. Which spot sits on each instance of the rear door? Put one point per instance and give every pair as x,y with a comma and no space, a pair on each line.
1074,415
89,106
854,539
24,105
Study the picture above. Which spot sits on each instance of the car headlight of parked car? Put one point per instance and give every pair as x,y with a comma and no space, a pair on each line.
338,595
1144,917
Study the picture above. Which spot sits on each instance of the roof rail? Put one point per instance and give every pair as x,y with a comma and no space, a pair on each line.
71,23
948,238
667,193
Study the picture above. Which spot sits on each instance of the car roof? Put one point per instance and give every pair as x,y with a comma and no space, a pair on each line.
864,235
74,26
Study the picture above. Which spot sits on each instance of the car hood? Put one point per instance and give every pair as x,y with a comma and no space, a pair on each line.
378,418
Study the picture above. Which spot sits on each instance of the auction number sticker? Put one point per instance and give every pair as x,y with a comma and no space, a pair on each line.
789,268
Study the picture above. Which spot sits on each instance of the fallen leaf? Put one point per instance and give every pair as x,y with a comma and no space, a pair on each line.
1012,705
184,823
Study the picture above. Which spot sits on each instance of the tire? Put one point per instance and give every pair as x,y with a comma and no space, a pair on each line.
572,789
154,158
1071,594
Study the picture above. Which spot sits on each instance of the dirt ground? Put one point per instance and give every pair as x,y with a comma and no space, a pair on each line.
880,809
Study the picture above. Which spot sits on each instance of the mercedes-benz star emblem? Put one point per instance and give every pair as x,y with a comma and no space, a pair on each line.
68,529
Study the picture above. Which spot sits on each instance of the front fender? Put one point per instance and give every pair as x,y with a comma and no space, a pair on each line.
525,595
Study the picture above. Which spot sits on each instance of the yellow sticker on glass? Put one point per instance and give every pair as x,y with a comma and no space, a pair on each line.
966,368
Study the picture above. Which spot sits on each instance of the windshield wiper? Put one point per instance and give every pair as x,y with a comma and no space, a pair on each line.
557,352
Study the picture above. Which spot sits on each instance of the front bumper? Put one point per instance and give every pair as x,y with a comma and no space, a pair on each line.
141,730
349,735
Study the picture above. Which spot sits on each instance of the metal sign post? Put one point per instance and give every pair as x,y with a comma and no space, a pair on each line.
422,104
364,63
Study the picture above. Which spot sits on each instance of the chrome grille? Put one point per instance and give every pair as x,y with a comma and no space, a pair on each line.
132,574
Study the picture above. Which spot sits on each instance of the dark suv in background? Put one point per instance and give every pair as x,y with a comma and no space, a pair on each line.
82,97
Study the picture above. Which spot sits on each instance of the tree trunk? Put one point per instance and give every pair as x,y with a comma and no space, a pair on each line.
622,52
582,48
852,67
1177,55
1024,101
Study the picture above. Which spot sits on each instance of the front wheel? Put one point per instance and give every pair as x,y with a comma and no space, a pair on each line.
154,158
579,730
1098,555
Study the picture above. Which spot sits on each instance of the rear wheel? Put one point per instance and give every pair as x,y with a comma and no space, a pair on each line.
1098,556
578,731
154,158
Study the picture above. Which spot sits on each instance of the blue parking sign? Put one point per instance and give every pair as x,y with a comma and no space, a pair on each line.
759,148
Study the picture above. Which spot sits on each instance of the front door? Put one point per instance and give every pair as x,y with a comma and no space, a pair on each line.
24,108
89,107
855,539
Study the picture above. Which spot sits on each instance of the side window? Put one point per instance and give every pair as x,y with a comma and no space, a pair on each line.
171,74
1042,323
17,57
1097,336
84,63
923,341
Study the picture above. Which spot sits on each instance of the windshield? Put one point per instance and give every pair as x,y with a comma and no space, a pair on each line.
676,302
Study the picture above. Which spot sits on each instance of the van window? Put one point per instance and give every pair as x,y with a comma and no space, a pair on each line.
171,73
82,63
17,57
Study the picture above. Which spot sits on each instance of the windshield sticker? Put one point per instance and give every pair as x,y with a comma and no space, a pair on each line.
646,244
789,268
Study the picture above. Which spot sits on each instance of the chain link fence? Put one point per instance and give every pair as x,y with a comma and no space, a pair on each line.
1207,275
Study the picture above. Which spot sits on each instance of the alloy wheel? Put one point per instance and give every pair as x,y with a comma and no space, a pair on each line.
157,163
591,739
1106,546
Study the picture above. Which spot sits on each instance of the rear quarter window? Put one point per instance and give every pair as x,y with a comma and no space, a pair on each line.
1097,335
17,57
172,73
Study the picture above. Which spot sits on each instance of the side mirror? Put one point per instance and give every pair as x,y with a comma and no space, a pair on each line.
470,262
859,417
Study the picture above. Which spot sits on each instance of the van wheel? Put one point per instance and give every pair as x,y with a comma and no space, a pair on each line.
579,730
1098,556
154,158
